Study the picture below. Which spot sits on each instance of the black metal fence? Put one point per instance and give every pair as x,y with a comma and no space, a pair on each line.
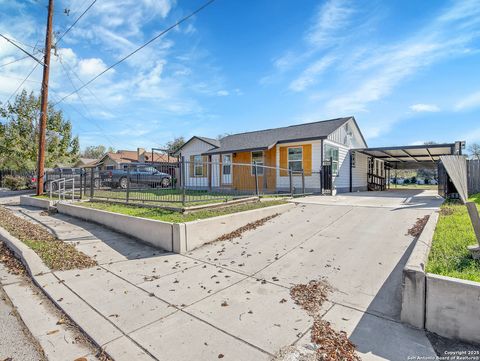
196,182
473,176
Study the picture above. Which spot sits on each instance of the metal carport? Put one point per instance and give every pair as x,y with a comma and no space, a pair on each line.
410,156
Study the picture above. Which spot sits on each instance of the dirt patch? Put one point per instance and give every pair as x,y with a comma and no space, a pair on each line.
248,227
417,228
326,343
56,254
446,211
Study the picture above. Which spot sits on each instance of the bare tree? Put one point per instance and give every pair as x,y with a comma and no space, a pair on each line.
474,150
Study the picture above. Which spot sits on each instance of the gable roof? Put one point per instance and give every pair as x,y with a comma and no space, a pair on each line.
213,142
264,139
128,156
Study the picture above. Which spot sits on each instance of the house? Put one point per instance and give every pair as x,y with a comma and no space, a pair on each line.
84,162
116,160
300,156
305,147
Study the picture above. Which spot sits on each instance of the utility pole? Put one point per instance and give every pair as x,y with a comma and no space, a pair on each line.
44,102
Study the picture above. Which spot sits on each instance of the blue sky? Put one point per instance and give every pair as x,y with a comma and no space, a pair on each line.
409,71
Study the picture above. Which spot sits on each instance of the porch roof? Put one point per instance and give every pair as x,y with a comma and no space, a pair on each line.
412,154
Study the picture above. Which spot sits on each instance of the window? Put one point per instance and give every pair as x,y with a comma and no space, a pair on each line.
257,158
227,164
295,159
110,167
332,153
197,166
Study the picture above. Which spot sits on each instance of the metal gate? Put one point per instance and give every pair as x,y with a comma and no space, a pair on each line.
327,178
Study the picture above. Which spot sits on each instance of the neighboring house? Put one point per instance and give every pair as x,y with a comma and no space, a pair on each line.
116,160
84,162
299,147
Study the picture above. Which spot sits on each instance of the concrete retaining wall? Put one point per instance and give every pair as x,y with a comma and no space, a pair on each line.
444,305
413,278
452,308
156,233
174,237
35,202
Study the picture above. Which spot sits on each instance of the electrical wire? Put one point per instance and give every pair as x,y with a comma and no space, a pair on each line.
138,49
75,22
23,82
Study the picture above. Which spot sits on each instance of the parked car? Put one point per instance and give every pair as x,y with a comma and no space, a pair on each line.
136,174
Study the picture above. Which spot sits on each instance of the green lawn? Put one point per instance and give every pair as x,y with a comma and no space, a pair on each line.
176,217
414,186
449,255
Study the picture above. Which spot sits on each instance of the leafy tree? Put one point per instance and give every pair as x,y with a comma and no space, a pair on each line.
175,144
95,151
474,150
19,135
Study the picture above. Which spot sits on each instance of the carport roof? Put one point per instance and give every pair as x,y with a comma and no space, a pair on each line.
428,153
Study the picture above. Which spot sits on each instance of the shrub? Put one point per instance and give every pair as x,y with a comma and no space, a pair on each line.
15,182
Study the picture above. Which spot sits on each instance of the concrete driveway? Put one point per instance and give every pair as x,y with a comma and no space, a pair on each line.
231,300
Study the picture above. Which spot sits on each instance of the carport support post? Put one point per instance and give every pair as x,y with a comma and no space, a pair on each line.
128,183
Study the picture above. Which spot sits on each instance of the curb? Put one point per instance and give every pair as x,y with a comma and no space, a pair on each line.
100,331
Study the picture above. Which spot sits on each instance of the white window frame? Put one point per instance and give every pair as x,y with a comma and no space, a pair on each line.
198,162
262,163
295,160
226,165
335,170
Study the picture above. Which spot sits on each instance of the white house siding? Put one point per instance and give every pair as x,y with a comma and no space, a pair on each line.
341,181
312,183
349,135
359,172
198,147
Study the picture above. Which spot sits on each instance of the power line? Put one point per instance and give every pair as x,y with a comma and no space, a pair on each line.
84,105
75,22
19,47
139,48
23,82
14,61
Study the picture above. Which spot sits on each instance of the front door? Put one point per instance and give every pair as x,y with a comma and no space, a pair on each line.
226,169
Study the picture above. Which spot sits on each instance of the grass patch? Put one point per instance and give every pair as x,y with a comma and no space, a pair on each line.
176,217
56,254
449,255
414,186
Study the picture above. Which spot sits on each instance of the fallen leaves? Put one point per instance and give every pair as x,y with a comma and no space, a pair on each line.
417,228
56,254
310,296
248,227
7,257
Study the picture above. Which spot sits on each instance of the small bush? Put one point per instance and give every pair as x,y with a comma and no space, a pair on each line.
15,182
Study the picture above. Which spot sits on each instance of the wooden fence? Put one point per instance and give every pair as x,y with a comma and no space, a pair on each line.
473,169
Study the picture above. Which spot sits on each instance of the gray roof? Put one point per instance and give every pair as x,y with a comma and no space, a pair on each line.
263,139
214,142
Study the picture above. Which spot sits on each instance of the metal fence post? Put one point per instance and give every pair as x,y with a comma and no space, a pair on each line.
81,183
183,179
255,171
303,181
127,195
92,181
291,181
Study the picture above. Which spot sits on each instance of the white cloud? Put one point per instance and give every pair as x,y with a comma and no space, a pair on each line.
223,93
311,74
91,67
469,102
424,108
331,17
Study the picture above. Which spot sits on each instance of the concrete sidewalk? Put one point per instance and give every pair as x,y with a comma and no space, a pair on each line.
231,299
